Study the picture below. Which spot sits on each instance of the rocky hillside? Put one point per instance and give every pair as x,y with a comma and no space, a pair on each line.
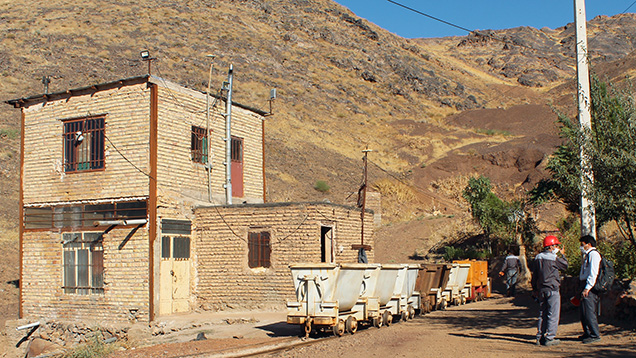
433,110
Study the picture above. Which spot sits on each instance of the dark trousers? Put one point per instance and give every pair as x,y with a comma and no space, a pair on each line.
588,311
549,312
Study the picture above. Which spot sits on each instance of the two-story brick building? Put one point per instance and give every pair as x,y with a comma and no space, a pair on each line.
123,214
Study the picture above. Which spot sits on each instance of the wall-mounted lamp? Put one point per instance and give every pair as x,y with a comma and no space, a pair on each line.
145,56
79,137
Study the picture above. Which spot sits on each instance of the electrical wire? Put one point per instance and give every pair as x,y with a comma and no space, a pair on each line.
125,158
416,187
629,7
429,16
492,36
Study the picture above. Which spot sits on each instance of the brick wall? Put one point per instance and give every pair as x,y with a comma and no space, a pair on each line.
186,181
127,118
224,278
125,279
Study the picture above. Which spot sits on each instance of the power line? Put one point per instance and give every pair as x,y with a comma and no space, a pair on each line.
430,16
475,31
624,11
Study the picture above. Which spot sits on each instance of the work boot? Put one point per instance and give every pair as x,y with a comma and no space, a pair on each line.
551,342
591,340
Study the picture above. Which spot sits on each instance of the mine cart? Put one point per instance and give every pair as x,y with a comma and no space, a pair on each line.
477,279
430,283
456,291
326,297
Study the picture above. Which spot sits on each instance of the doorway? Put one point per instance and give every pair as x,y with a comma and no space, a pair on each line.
326,244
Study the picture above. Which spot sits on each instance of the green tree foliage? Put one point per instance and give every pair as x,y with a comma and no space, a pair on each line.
611,149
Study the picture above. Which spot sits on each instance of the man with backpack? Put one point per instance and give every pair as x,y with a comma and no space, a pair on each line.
588,309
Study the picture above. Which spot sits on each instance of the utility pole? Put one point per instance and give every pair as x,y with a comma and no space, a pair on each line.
228,137
208,146
588,220
362,202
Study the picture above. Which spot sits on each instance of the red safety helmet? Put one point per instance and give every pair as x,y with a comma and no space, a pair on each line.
551,240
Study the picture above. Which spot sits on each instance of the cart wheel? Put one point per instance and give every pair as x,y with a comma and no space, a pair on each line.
351,324
338,328
387,318
411,311
377,322
307,327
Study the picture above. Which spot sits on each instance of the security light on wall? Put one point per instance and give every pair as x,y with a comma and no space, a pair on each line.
79,137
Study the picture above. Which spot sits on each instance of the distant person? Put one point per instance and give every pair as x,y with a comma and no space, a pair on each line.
546,282
511,269
588,310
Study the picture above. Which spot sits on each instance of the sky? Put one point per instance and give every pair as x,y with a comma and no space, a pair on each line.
476,14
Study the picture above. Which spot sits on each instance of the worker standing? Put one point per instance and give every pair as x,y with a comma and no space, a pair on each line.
546,282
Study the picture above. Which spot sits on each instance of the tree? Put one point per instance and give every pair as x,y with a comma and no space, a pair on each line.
508,221
611,146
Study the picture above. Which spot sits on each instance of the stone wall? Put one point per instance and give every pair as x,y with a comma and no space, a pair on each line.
224,278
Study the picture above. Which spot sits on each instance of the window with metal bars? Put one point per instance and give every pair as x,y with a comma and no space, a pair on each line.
84,144
83,263
78,216
259,249
199,145
237,149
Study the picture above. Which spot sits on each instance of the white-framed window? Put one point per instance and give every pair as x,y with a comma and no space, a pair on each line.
83,263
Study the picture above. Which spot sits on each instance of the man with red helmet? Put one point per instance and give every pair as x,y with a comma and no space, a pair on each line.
546,282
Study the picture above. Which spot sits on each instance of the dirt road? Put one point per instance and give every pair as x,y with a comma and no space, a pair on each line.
493,328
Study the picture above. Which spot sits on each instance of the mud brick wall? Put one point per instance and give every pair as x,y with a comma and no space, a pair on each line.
127,111
125,294
183,180
224,278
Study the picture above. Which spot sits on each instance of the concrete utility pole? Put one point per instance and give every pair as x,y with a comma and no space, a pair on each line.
588,215
228,137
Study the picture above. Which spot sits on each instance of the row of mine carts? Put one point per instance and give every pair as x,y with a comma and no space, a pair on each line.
339,297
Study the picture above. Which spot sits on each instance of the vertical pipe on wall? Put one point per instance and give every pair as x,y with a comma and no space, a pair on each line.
152,198
21,219
263,159
228,138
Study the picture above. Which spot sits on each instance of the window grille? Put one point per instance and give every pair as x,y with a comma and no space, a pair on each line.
79,216
83,263
199,145
84,144
237,149
259,249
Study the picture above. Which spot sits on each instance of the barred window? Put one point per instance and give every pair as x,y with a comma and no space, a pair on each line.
259,249
83,263
84,144
237,149
199,145
79,216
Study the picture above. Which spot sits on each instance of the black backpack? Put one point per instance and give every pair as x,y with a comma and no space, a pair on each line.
605,276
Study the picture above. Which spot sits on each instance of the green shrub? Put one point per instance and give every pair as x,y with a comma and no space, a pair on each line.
94,348
321,186
9,133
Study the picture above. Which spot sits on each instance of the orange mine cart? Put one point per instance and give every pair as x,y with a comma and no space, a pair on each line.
477,278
